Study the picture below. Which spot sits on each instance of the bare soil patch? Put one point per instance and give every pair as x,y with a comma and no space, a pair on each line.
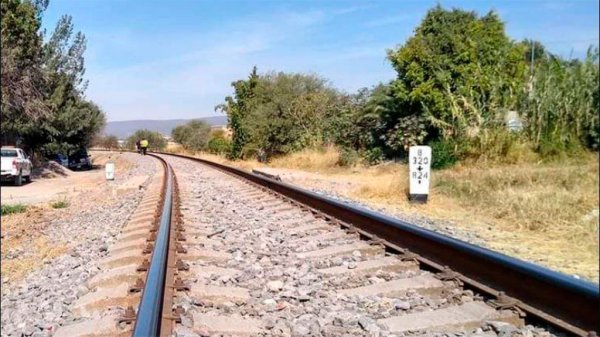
25,247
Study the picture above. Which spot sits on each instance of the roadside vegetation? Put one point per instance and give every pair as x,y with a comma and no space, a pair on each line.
515,142
156,141
194,135
59,204
13,209
109,142
463,87
44,109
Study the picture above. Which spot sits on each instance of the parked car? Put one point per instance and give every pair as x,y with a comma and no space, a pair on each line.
80,159
61,159
15,165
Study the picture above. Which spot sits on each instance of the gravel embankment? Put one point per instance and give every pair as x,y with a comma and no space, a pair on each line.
41,302
286,294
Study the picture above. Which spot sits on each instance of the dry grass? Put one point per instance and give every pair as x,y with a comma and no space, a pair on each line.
174,147
17,268
553,208
23,234
545,213
323,159
24,238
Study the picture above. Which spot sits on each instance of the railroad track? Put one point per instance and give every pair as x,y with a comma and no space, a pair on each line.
227,252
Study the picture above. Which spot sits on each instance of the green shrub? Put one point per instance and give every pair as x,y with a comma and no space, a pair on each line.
155,139
348,157
553,148
60,204
408,131
194,135
374,156
219,145
443,154
13,209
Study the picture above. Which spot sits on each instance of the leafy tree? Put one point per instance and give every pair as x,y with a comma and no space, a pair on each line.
278,113
74,120
42,84
356,123
21,69
156,140
290,113
73,126
457,74
237,108
63,57
193,135
107,142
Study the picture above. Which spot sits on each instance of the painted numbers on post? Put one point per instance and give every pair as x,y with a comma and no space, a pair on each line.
420,172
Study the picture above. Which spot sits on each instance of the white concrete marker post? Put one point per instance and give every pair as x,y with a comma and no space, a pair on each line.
420,173
110,170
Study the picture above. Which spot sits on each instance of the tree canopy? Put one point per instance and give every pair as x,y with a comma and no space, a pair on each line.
43,102
156,141
194,135
458,78
278,113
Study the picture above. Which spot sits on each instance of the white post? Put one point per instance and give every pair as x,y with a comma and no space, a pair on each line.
419,172
110,170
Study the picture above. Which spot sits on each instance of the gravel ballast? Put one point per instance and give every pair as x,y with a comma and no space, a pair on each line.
41,302
287,294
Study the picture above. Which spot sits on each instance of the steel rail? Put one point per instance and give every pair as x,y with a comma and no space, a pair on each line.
149,314
562,301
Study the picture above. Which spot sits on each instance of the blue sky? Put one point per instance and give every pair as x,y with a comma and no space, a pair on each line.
176,59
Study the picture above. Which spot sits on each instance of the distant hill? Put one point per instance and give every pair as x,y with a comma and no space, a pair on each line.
124,129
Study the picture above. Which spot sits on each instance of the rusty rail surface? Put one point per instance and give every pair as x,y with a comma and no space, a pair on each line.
566,303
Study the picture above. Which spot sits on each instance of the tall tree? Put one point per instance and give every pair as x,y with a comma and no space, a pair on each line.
74,120
156,141
23,80
458,72
277,113
236,108
194,135
42,84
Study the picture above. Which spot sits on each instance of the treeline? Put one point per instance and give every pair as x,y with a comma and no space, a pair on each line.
196,135
459,78
43,104
109,142
156,141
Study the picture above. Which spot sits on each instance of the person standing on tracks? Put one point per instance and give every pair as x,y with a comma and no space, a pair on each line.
137,146
144,145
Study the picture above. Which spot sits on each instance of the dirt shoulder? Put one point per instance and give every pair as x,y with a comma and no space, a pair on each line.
56,183
36,236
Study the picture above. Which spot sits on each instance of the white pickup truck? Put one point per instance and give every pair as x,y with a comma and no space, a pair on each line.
16,165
